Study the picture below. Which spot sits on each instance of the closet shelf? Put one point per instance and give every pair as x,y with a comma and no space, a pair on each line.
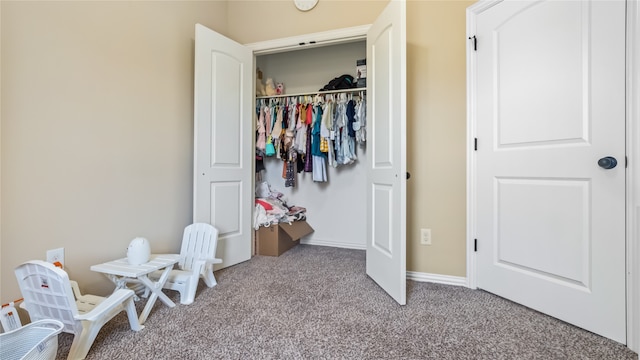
353,90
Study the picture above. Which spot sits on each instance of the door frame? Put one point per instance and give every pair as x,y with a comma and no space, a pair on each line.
633,164
302,42
308,41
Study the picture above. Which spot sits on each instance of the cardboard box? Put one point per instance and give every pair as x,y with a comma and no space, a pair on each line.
278,238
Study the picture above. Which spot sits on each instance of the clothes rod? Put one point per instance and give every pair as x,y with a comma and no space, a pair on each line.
353,90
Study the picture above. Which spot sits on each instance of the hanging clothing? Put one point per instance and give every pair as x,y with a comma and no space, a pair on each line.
361,121
301,129
276,133
319,169
311,133
316,138
291,162
351,134
318,161
261,140
293,112
308,166
351,117
339,123
327,118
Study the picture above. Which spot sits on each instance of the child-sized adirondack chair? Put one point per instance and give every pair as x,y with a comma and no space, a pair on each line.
49,294
197,256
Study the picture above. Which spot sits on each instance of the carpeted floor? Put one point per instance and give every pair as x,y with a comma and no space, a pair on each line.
316,302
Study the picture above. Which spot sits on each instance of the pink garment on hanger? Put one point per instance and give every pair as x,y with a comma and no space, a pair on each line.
261,141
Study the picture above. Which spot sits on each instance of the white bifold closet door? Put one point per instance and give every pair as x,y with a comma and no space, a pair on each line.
223,142
387,169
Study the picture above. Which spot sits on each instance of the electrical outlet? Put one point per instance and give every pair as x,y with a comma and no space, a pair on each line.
425,236
54,255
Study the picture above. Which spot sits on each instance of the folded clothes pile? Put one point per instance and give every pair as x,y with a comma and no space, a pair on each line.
271,208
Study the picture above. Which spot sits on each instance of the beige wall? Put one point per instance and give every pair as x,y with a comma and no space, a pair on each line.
97,122
436,113
279,19
96,129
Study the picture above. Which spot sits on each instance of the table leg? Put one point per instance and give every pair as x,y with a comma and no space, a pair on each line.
156,292
121,283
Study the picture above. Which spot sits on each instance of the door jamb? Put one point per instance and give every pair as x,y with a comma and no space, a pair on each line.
471,13
633,176
633,165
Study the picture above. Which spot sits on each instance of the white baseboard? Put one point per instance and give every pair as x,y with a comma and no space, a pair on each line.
411,275
337,244
437,278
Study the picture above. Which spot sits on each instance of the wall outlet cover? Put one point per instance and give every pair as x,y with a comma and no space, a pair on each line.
425,236
54,255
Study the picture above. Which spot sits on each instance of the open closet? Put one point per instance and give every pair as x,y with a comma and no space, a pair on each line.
360,206
336,207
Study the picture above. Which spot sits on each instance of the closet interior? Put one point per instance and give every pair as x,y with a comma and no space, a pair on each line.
335,207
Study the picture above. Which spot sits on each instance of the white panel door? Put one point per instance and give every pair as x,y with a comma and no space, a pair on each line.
223,137
386,170
551,103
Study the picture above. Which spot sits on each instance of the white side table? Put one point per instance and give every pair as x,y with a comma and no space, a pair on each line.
120,272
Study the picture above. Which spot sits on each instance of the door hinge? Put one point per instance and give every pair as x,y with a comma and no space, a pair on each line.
475,144
475,42
475,245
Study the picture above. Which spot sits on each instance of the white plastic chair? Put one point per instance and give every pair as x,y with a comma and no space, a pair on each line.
197,256
35,341
49,294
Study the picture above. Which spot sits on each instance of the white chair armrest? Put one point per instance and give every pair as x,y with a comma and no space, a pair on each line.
199,266
210,261
202,264
112,302
76,289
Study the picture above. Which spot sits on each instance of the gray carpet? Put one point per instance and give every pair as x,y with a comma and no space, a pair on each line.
316,302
